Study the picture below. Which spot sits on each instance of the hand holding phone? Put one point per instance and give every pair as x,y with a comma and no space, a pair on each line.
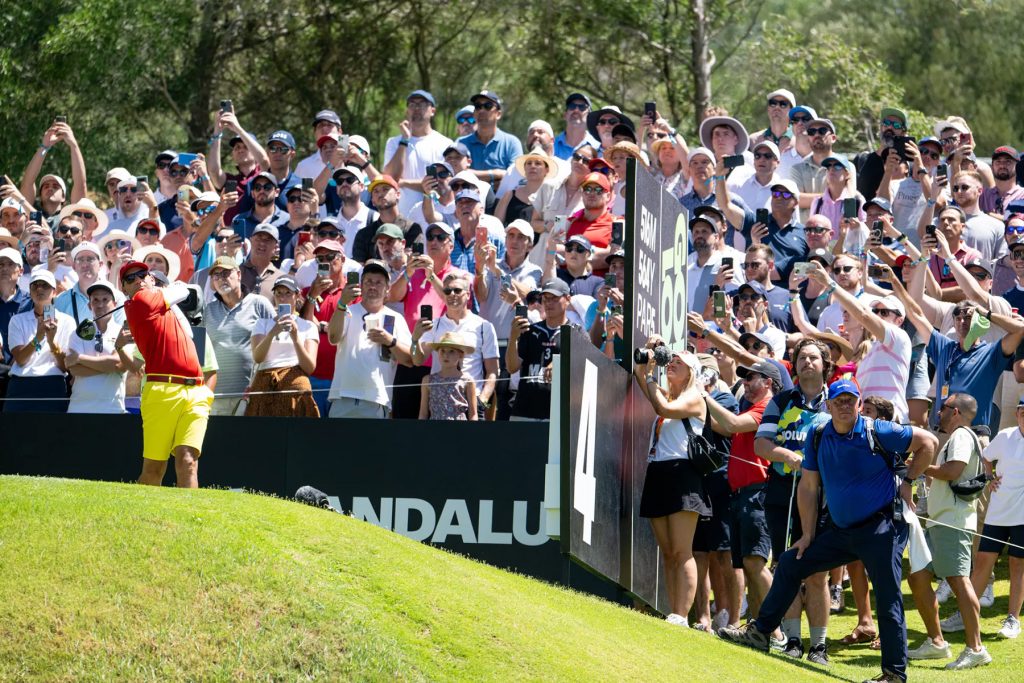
522,311
734,161
850,207
426,312
231,186
761,216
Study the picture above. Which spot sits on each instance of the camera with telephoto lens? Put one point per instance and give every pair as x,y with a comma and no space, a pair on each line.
662,355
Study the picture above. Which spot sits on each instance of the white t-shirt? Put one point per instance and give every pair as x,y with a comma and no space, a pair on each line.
306,273
886,368
97,393
282,351
943,505
1006,508
358,370
22,330
310,167
420,153
832,316
756,195
477,332
353,225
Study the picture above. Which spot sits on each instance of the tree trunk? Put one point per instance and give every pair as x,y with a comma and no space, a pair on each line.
701,61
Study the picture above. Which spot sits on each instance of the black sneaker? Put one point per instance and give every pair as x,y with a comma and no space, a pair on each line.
746,635
794,648
886,677
818,654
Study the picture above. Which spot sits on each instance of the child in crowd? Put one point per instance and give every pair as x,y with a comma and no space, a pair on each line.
449,393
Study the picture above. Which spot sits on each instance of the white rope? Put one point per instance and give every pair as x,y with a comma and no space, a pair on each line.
968,531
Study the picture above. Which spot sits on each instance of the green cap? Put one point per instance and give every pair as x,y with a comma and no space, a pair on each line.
389,230
893,111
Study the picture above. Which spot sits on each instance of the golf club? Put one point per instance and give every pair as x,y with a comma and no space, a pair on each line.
86,329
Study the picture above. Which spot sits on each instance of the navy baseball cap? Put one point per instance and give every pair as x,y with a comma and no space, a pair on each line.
458,147
582,241
754,285
881,202
578,96
328,115
424,94
843,386
487,95
283,137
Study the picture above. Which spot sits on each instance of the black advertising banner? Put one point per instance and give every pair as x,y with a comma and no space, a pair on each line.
593,443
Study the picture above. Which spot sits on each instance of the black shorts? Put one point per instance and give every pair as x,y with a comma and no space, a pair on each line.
749,531
672,486
1013,534
712,534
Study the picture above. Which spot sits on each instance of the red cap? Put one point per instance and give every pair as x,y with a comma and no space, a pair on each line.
1006,150
324,138
597,179
132,265
597,163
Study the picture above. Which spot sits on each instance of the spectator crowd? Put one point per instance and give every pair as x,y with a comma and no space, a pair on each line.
432,282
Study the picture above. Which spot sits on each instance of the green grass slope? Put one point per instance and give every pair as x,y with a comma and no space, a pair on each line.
119,582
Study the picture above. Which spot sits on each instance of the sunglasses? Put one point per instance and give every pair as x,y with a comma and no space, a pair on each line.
749,297
294,198
656,135
895,125
126,190
437,237
346,180
949,142
448,291
262,187
782,194
162,165
485,105
180,173
979,275
842,269
885,312
933,155
328,234
578,248
824,130
67,229
754,347
278,149
833,167
117,244
577,106
458,186
83,214
800,119
222,238
751,264
465,119
816,231
603,170
778,103
593,189
1015,229
579,158
1017,255
961,188
98,345
326,258
147,231
610,121
965,314
443,174
763,155
132,277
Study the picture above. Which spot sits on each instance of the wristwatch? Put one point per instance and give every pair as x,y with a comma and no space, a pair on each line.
394,341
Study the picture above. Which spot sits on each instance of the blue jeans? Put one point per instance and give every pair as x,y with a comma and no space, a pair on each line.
320,391
878,542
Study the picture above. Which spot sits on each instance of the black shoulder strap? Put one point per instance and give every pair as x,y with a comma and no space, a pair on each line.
74,305
819,429
896,462
686,421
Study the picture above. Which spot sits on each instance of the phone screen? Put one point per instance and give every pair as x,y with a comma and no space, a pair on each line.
284,309
352,278
726,262
618,230
522,311
426,312
231,186
762,216
850,208
734,161
322,269
307,183
417,249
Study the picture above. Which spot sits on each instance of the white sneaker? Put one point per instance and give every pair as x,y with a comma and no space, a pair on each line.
988,597
929,650
969,659
954,624
778,645
721,620
1011,627
677,620
943,592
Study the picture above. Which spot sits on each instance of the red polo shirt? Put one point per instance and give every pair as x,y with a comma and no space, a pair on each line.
744,473
598,231
167,348
326,352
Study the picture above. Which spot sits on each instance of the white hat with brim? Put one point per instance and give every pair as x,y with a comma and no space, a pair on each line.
7,238
43,275
210,196
523,227
89,206
711,122
173,262
117,235
552,167
86,247
13,254
57,178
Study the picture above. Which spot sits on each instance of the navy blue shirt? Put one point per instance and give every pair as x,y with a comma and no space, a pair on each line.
19,303
245,201
168,209
975,372
496,155
1015,297
857,482
778,309
244,223
787,243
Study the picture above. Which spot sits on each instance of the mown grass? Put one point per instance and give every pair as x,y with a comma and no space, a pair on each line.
119,582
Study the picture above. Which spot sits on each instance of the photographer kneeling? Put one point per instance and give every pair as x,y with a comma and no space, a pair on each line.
673,496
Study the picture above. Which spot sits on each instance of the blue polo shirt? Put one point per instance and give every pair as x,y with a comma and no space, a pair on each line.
691,200
19,303
244,223
496,155
463,255
788,243
857,482
563,150
975,372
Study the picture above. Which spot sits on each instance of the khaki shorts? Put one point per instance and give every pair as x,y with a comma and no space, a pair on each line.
173,415
951,552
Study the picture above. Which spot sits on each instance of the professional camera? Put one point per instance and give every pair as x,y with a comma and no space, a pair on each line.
661,355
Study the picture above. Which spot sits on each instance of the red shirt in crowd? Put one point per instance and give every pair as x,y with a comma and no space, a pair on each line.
162,341
744,473
326,352
598,231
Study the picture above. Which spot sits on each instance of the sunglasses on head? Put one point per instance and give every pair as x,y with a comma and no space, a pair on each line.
179,173
763,155
485,105
782,194
448,291
147,231
895,125
842,269
609,121
132,277
824,130
437,236
578,248
778,103
963,313
800,119
462,120
66,229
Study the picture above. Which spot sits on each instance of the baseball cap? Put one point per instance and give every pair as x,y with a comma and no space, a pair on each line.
328,115
382,180
556,287
267,229
11,203
205,197
225,262
930,139
598,163
443,227
892,303
839,159
330,245
464,111
772,147
55,178
268,175
100,284
458,147
803,109
13,254
818,121
702,152
843,386
521,226
762,367
424,94
119,172
747,336
582,241
881,202
702,211
468,194
784,94
487,95
623,130
984,264
618,253
166,154
286,281
947,124
354,171
578,96
754,285
86,247
787,185
1006,150
359,142
597,179
132,265
376,265
283,137
389,230
43,275
823,255
896,112
324,139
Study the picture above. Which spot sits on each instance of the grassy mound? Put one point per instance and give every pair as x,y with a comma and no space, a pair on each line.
122,582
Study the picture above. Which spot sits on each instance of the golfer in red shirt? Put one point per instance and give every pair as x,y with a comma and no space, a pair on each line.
175,403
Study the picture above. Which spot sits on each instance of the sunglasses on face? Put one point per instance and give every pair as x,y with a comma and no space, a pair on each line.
754,347
577,106
132,277
1017,255
326,258
465,119
824,130
147,231
961,188
485,105
778,103
67,229
816,231
277,149
579,158
437,237
833,167
593,189
964,314
842,269
117,244
328,234
577,248
933,155
346,180
222,238
949,142
782,194
1015,229
751,264
610,121
750,297
895,125
884,312
83,214
800,119
763,155
180,173
127,190
448,291
162,165
604,170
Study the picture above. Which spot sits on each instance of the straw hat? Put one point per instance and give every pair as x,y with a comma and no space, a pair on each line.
173,262
453,340
521,160
88,206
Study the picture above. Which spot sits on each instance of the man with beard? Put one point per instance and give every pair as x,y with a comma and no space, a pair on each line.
995,199
263,189
575,135
809,174
982,231
492,149
325,122
705,262
12,217
406,156
385,195
871,165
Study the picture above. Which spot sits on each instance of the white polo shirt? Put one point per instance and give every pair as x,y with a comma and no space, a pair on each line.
477,332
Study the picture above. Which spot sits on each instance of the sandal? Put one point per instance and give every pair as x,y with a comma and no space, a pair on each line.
858,636
876,644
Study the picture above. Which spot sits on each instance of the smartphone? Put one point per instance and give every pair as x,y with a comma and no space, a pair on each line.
719,303
4,180
522,311
231,186
352,277
343,143
800,269
506,281
876,271
941,170
36,217
616,309
59,244
307,183
850,207
618,232
183,194
426,312
226,106
432,171
734,161
323,269
304,236
929,230
141,180
389,327
481,235
899,143
877,230
610,280
284,309
561,224
186,159
48,312
44,253
726,262
60,119
761,216
650,108
417,248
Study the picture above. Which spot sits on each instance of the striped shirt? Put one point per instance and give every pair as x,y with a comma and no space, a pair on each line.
886,368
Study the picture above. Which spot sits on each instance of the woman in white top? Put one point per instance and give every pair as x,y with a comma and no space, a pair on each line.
38,340
564,199
673,496
284,350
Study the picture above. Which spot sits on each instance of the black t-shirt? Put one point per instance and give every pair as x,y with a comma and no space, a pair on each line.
536,347
870,169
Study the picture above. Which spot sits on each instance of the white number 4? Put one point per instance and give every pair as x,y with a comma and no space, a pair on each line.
584,489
